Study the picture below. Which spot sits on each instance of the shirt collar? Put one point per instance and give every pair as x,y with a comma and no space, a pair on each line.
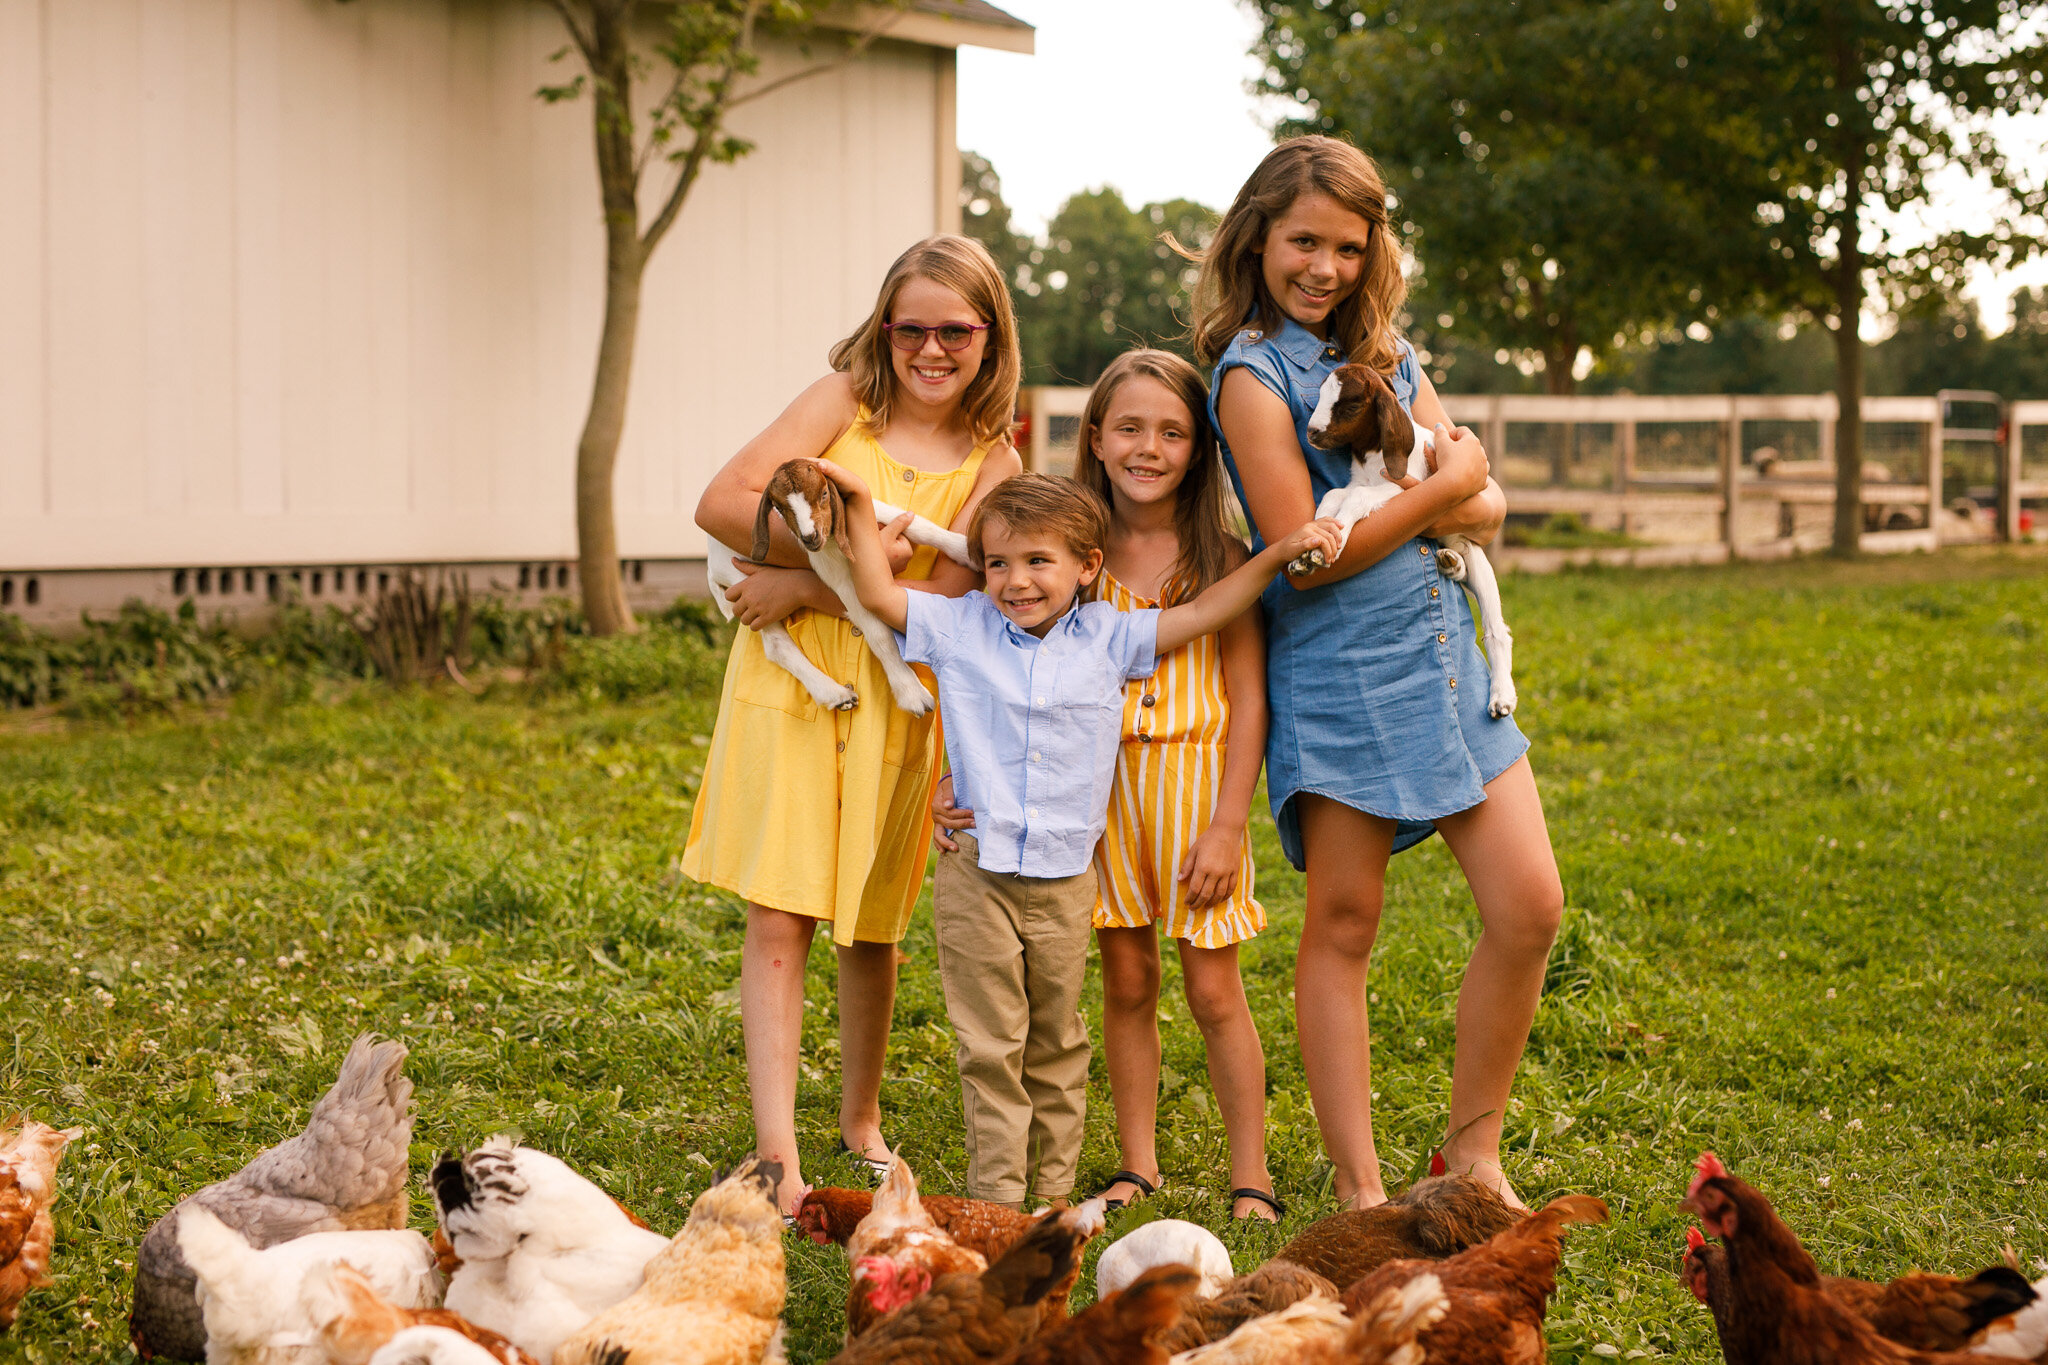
1302,346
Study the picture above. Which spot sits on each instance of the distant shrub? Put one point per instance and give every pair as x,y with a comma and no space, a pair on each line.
662,658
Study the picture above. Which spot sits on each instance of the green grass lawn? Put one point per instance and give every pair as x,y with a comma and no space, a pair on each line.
1799,809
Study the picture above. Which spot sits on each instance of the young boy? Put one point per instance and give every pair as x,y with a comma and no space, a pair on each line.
1031,684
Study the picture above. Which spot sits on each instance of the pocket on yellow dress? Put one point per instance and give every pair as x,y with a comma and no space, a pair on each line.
763,682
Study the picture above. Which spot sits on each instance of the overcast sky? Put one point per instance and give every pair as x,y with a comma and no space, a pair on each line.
1149,96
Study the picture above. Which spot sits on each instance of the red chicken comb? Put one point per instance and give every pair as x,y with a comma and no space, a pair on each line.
1437,1164
1694,1239
1708,1167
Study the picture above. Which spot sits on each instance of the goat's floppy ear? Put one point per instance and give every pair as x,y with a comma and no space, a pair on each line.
1396,431
836,501
770,496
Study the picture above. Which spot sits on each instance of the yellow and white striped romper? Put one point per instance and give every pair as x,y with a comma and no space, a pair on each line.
1167,772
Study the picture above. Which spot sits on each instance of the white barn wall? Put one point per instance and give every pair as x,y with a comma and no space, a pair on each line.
292,281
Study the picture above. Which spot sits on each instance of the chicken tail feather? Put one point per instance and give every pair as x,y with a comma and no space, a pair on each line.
1387,1328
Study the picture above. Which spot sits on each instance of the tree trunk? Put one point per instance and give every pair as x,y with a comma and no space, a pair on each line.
1848,540
597,452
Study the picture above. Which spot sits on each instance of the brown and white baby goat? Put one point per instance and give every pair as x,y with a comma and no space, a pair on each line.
813,510
1357,409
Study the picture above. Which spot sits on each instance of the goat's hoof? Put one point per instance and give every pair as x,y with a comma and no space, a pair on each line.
1307,563
917,701
846,701
1451,565
1502,705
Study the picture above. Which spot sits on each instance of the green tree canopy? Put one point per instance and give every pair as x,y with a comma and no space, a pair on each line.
1102,280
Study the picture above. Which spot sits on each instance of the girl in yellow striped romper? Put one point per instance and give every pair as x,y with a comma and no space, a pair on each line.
1175,852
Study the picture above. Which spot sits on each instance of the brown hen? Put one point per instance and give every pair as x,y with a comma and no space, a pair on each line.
1123,1328
28,1186
964,1318
1273,1286
1773,1308
1926,1312
1428,1221
898,1244
831,1215
1498,1290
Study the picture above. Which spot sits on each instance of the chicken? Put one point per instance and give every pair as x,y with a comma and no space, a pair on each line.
713,1296
2018,1336
355,1321
1122,1327
1273,1286
345,1172
250,1298
898,1241
542,1251
432,1346
1297,1331
1388,1331
960,1317
1928,1312
1431,1219
831,1215
1164,1241
1773,1309
1498,1290
28,1187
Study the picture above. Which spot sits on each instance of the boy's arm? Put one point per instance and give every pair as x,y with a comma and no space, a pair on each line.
873,580
1228,597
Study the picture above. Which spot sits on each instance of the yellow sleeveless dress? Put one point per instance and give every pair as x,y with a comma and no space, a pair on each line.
827,813
1176,728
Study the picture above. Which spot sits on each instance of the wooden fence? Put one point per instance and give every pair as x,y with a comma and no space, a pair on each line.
1699,478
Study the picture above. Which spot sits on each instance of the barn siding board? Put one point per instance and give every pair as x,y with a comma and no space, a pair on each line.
301,282
24,481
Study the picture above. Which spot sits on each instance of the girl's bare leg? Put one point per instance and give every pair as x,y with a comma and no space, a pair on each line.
772,1022
1130,1048
1504,848
1237,1064
1347,853
867,1002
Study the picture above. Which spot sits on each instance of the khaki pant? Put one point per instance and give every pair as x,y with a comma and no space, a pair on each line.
1012,955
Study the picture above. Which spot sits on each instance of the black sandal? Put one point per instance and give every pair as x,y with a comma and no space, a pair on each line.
878,1169
1125,1178
1266,1197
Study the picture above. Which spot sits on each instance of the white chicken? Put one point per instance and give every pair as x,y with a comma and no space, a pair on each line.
2018,1336
543,1250
431,1346
250,1300
1165,1241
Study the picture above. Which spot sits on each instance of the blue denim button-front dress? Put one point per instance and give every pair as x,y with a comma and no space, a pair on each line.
1376,683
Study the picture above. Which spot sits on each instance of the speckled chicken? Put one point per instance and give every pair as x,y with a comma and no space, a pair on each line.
355,1322
1499,1290
1428,1221
713,1296
28,1187
539,1251
346,1171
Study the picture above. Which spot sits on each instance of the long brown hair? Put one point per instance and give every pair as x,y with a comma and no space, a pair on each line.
1209,548
1232,285
964,266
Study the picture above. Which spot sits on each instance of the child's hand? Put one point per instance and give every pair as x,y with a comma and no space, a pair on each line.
1456,454
1321,534
850,485
1209,871
947,816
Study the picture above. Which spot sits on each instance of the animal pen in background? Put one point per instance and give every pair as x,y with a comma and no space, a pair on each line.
1694,479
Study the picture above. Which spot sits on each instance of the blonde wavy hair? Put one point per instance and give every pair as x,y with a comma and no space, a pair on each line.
1209,547
964,266
1231,288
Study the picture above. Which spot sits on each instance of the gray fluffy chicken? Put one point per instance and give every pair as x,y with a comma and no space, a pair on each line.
346,1172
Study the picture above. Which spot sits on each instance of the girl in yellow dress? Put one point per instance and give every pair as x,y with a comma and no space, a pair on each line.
823,815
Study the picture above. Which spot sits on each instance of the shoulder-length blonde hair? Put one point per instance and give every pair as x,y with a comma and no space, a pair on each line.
1209,547
1232,285
964,266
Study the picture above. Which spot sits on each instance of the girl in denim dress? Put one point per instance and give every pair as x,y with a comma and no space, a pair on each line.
1379,732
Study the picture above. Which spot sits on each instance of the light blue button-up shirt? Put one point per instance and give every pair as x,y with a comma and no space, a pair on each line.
1032,725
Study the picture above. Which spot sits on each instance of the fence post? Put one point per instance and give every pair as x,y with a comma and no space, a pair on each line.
1937,450
1731,468
1624,465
